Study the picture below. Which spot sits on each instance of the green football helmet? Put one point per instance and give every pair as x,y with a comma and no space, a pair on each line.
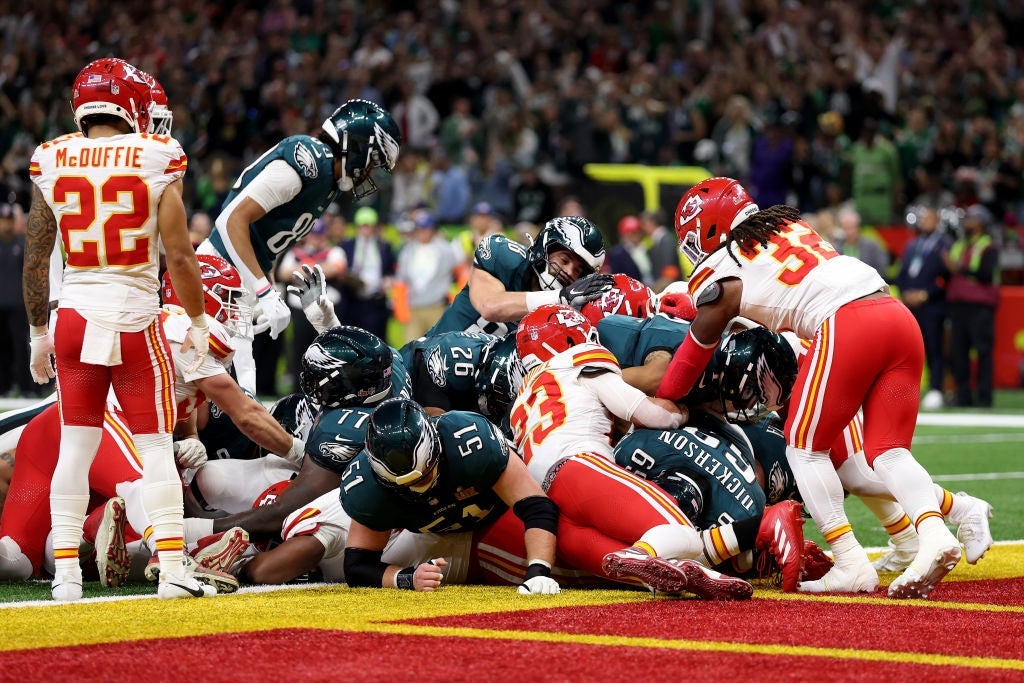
757,371
403,447
498,378
575,234
346,366
364,137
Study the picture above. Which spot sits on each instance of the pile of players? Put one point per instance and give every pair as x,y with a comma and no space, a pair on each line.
557,427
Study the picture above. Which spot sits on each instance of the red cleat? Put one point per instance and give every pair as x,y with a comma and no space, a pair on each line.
816,562
112,558
221,551
781,534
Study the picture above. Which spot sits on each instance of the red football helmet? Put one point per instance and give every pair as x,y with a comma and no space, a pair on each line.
626,297
549,330
113,87
160,115
708,212
224,297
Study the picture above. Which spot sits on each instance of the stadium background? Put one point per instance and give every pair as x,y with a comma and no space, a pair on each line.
605,83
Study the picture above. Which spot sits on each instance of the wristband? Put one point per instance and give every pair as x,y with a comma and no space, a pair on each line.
263,287
37,331
404,579
537,568
535,300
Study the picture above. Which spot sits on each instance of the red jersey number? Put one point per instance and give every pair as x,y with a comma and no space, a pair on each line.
114,249
799,249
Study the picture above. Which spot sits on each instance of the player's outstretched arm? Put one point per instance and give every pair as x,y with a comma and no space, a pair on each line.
35,276
172,222
284,562
490,298
365,569
265,521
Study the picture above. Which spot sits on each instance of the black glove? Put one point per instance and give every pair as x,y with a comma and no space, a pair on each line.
587,288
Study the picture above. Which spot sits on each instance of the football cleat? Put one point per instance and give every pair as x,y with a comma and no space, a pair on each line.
221,551
974,531
708,584
188,587
67,588
898,557
816,562
654,572
112,558
860,579
915,584
781,533
222,582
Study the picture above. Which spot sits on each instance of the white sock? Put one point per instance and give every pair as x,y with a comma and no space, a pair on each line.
69,493
196,528
912,487
673,541
162,498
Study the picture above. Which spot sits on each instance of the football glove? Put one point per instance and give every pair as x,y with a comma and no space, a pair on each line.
587,288
308,286
271,314
41,344
538,580
198,339
678,305
190,453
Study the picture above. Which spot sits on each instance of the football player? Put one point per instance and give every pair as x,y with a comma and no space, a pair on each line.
562,423
771,267
346,372
449,474
278,198
122,186
508,281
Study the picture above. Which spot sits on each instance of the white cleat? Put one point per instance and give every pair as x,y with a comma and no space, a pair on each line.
915,584
185,587
67,588
897,558
860,579
974,531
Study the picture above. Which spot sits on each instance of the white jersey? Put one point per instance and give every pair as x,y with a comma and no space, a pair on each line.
104,193
176,324
325,520
555,416
227,487
793,284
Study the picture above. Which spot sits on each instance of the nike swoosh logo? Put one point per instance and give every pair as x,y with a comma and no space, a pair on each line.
194,592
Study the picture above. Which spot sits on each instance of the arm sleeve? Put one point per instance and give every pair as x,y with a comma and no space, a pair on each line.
617,396
275,185
687,364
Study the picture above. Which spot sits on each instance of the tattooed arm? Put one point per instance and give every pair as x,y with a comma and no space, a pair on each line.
42,230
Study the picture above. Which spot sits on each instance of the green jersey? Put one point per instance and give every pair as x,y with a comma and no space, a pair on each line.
473,457
443,368
769,445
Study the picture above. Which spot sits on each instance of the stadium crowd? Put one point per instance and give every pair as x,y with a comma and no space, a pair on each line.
496,108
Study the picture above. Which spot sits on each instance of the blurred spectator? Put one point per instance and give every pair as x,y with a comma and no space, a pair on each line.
922,283
315,248
425,265
875,175
368,278
851,242
568,206
13,323
451,190
410,183
734,137
199,227
417,118
532,198
972,296
460,131
629,256
770,165
663,251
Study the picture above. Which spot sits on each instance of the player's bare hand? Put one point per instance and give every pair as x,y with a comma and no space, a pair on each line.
428,575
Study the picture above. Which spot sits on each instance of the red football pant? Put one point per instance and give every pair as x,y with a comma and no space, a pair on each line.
869,354
143,382
26,514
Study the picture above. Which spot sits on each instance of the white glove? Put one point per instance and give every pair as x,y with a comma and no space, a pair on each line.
271,314
42,348
198,339
297,452
538,580
190,453
308,286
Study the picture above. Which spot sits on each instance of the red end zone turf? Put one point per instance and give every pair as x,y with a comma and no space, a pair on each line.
311,655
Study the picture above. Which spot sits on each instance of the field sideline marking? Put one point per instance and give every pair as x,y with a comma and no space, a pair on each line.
981,476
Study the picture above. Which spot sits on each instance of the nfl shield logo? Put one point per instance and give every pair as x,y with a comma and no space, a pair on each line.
114,89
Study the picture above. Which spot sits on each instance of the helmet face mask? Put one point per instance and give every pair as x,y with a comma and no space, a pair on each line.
757,374
346,366
224,298
160,116
707,213
573,234
364,137
550,330
498,378
403,447
112,87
